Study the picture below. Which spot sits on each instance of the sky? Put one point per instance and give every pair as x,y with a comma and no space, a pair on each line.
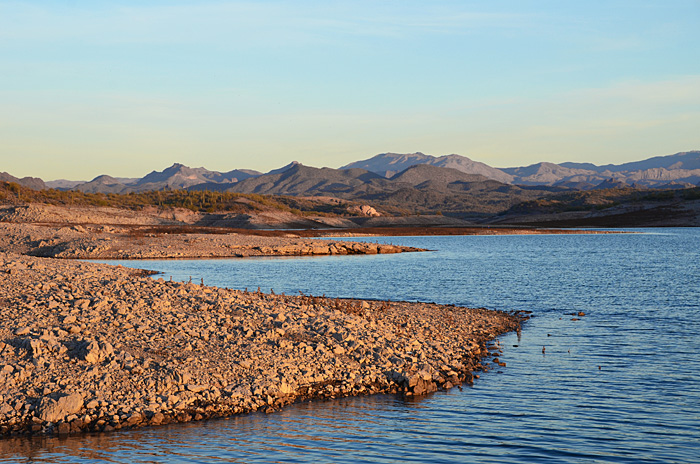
127,87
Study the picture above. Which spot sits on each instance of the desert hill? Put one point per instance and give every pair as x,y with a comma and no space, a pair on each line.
29,182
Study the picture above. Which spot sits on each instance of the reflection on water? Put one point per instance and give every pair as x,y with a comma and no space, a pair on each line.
332,429
618,385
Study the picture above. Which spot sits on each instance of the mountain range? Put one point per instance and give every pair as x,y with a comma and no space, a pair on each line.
656,191
681,168
390,172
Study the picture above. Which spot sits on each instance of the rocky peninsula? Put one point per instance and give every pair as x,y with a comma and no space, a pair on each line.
92,347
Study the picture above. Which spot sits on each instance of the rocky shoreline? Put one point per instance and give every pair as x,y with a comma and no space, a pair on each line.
121,242
92,347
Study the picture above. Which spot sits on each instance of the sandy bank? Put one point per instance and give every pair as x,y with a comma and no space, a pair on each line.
86,346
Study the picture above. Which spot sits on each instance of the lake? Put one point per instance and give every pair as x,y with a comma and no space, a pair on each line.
620,384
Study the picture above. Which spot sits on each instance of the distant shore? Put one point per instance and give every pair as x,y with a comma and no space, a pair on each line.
95,240
403,231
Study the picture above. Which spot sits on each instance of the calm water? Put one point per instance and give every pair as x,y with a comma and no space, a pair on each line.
619,385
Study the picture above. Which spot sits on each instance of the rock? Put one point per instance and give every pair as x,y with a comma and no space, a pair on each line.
6,409
364,210
23,331
55,409
286,389
93,352
134,419
422,386
76,426
241,391
197,388
63,428
339,350
36,347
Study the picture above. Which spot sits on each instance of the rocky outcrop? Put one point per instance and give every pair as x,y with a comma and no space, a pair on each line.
364,210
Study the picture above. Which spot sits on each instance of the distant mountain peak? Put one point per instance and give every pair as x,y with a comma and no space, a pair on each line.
106,179
454,156
289,166
390,164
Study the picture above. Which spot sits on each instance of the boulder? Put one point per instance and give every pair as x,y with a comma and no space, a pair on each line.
93,352
54,409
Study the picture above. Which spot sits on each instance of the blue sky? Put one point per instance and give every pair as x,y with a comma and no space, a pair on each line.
90,87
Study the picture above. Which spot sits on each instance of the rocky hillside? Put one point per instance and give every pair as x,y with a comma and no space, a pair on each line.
615,207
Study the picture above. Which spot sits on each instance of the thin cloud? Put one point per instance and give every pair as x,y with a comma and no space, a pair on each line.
678,90
256,22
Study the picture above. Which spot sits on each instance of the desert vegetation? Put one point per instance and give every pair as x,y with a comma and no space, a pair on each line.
198,200
602,199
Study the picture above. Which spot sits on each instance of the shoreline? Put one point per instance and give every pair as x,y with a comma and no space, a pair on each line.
122,242
93,347
419,231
